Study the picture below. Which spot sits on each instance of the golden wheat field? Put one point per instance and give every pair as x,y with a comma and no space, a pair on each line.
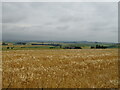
80,68
0,69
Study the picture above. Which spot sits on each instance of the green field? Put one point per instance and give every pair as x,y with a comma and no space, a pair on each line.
29,45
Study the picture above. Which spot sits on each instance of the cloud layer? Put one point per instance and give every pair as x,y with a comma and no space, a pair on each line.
60,0
60,21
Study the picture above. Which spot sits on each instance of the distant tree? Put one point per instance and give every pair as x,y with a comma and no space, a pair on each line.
92,47
8,47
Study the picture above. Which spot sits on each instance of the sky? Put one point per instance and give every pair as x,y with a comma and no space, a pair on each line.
60,21
0,22
59,0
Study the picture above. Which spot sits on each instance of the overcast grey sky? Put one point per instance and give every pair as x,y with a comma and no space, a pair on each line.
63,21
60,0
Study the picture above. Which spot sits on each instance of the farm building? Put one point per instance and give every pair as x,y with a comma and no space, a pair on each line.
4,43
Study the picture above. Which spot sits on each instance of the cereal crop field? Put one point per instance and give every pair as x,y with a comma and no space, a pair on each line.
75,68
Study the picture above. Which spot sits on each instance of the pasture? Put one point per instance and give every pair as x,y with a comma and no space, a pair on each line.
60,68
